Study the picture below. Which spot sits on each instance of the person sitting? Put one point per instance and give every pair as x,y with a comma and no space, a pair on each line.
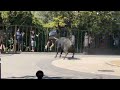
18,39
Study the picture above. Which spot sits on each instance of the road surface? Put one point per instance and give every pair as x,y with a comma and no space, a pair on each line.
25,65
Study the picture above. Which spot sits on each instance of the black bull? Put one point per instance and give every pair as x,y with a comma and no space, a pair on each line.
66,45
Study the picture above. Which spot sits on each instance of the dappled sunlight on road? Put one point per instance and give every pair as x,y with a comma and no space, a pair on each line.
96,65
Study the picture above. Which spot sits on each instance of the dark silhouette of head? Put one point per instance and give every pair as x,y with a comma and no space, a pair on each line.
39,74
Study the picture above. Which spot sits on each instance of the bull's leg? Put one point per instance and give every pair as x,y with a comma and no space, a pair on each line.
57,52
61,53
65,55
73,54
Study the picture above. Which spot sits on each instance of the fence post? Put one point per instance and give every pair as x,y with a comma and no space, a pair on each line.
77,39
15,39
81,42
26,41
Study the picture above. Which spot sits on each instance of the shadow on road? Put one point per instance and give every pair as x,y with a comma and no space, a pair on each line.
34,77
71,58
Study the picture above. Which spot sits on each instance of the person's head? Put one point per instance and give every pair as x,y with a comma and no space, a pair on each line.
39,74
32,31
18,30
86,33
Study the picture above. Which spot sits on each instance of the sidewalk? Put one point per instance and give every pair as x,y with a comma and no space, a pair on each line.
96,64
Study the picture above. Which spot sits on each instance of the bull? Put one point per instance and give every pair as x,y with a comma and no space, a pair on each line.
66,45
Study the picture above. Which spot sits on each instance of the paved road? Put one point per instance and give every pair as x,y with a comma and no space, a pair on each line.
25,65
65,73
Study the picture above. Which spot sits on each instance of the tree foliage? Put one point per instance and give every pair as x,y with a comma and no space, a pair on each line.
96,21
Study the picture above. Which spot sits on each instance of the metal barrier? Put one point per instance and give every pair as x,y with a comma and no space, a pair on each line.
41,35
12,43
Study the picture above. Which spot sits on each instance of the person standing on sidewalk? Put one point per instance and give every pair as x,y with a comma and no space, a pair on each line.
18,39
86,42
33,41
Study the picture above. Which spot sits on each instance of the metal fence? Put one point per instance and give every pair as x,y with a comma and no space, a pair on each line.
41,36
10,42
